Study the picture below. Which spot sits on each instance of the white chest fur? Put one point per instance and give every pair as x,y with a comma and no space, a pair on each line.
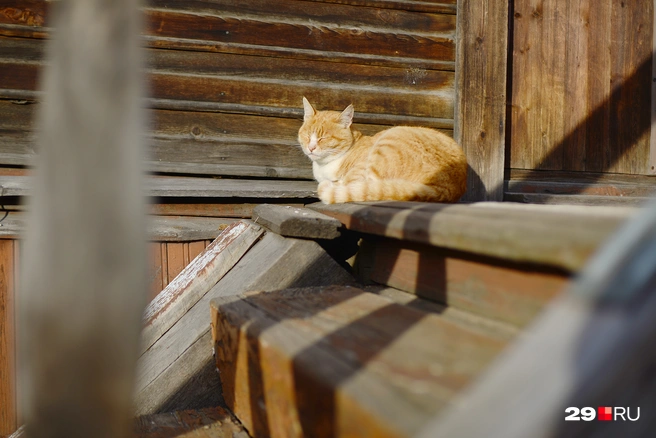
327,171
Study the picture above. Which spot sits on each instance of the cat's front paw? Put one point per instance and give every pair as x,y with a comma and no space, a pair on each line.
326,192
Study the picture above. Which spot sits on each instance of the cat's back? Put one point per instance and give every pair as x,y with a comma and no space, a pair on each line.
415,139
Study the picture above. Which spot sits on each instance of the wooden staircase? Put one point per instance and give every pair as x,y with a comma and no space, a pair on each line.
440,292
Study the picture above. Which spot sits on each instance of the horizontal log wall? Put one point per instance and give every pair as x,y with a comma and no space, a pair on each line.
227,78
581,86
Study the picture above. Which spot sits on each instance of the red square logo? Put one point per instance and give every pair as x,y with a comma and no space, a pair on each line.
605,413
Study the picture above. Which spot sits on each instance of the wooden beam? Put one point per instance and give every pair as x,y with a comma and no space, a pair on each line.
480,107
561,237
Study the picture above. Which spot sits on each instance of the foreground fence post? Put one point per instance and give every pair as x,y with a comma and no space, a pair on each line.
83,282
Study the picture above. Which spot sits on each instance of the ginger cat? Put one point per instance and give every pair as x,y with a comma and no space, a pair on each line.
401,163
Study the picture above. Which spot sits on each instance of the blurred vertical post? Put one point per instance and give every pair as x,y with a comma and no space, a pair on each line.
83,281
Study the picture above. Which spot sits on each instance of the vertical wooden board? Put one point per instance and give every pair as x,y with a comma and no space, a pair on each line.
631,49
175,259
196,248
480,109
8,420
155,284
599,87
576,84
552,17
523,73
165,264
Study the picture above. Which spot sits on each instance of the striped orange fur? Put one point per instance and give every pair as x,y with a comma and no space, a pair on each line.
401,163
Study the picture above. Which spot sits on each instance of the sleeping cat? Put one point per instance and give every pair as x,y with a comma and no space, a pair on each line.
401,163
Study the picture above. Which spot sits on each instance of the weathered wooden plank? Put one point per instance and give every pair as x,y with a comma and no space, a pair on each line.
194,187
537,234
274,262
555,199
581,188
185,229
339,362
215,422
226,188
480,107
582,177
511,293
209,208
296,222
196,280
8,413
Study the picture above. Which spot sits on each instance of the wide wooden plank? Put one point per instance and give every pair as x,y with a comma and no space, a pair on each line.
296,222
228,188
185,229
162,187
181,355
480,108
215,422
507,292
547,198
339,362
196,280
581,188
539,235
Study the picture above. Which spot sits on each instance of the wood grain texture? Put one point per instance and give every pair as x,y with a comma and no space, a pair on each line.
580,69
170,364
511,293
8,412
296,222
339,362
196,280
480,112
554,236
185,229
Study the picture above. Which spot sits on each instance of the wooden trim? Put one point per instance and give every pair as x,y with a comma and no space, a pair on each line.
480,106
651,169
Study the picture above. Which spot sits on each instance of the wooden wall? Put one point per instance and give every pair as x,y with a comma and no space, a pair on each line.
168,259
227,77
581,86
8,274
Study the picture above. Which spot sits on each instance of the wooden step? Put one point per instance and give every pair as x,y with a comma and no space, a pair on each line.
498,260
339,361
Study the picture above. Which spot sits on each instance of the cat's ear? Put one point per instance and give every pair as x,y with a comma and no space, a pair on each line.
346,117
309,110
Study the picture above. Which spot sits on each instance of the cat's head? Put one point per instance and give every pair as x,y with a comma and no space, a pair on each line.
325,134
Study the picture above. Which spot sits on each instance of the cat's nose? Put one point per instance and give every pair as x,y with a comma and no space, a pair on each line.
312,147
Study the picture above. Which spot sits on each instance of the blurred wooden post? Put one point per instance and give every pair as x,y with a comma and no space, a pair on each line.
83,282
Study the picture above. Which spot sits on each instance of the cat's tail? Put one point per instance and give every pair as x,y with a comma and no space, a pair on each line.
387,190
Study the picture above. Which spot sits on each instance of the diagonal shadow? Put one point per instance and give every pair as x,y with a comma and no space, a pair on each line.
609,132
